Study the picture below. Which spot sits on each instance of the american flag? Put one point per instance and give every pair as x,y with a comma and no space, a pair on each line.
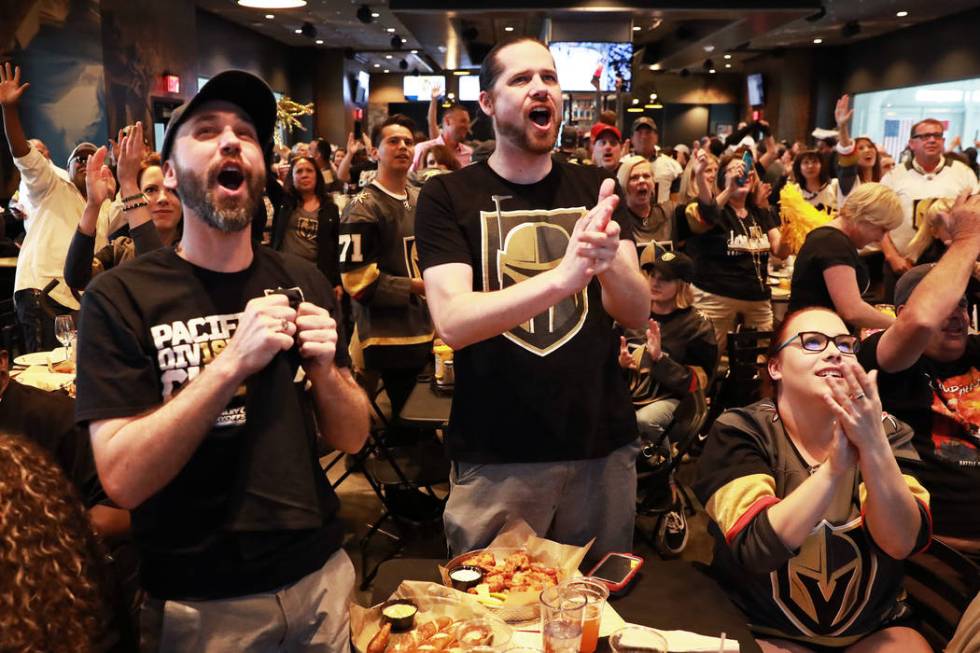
897,135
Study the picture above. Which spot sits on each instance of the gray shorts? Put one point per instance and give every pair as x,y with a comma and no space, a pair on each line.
570,502
311,615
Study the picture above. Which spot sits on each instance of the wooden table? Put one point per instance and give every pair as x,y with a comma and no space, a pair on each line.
670,595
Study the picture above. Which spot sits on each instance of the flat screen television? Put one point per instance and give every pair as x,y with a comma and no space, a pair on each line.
363,87
469,88
580,62
419,87
756,96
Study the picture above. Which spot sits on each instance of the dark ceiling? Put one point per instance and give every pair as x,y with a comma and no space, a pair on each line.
440,35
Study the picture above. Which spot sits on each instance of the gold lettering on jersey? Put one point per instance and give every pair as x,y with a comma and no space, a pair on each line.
824,589
184,348
519,245
411,253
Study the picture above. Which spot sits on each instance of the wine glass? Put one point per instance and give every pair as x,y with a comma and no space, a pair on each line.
64,331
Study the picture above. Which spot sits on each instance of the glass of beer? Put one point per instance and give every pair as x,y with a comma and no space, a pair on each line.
596,593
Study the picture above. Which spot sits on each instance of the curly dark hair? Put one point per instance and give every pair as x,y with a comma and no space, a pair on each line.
52,594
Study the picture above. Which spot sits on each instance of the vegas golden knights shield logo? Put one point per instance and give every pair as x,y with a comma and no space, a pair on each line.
518,245
411,252
827,586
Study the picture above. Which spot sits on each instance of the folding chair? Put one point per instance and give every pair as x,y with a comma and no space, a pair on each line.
742,383
939,584
402,477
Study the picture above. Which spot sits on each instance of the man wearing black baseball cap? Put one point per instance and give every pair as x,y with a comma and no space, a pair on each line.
193,363
928,376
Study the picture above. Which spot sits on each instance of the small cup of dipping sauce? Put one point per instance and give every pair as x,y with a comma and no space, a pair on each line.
465,577
400,613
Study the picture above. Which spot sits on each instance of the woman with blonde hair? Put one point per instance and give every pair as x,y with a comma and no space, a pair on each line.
52,596
830,273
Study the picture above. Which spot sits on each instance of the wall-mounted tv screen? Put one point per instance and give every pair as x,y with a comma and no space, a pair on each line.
363,87
581,64
469,88
419,87
756,96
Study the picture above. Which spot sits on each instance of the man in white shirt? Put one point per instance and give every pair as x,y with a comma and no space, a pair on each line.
455,128
929,174
646,136
56,206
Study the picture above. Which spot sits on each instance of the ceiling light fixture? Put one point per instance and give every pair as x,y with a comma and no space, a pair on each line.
387,56
728,56
655,66
377,65
712,71
297,31
451,96
461,73
709,48
272,4
728,65
508,29
319,41
387,71
817,41
637,28
414,51
901,14
270,16
375,14
390,30
634,110
636,100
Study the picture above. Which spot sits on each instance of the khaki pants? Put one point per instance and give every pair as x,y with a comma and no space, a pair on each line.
311,615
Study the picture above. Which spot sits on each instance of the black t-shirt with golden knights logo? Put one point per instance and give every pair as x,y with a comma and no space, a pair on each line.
550,388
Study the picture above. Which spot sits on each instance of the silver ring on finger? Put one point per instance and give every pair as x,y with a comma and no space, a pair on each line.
858,396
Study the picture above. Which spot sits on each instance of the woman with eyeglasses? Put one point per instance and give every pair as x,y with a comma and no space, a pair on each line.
810,514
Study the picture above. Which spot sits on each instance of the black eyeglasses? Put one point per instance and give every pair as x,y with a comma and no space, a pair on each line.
924,137
816,342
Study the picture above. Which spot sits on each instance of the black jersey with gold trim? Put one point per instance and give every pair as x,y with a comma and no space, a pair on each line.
839,586
378,260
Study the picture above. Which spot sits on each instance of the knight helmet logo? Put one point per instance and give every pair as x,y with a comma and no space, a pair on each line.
518,245
827,586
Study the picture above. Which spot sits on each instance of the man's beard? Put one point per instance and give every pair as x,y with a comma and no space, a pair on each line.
517,133
197,194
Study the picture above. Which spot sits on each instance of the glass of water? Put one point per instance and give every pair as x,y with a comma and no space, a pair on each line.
562,614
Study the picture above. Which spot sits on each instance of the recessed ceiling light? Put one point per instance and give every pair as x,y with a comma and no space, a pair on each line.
508,29
375,14
728,65
901,14
387,56
637,101
414,51
728,56
270,16
712,71
377,65
272,4
709,48
636,28
817,41
297,31
655,66
319,41
387,71
390,30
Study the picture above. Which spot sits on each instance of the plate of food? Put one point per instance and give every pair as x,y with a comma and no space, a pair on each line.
414,620
41,357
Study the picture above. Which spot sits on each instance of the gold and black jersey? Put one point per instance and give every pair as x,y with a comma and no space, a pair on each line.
378,260
839,586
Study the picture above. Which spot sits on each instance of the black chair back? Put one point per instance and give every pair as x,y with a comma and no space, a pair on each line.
939,585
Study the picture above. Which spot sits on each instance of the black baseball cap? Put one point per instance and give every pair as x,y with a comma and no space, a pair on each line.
908,282
672,265
238,87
